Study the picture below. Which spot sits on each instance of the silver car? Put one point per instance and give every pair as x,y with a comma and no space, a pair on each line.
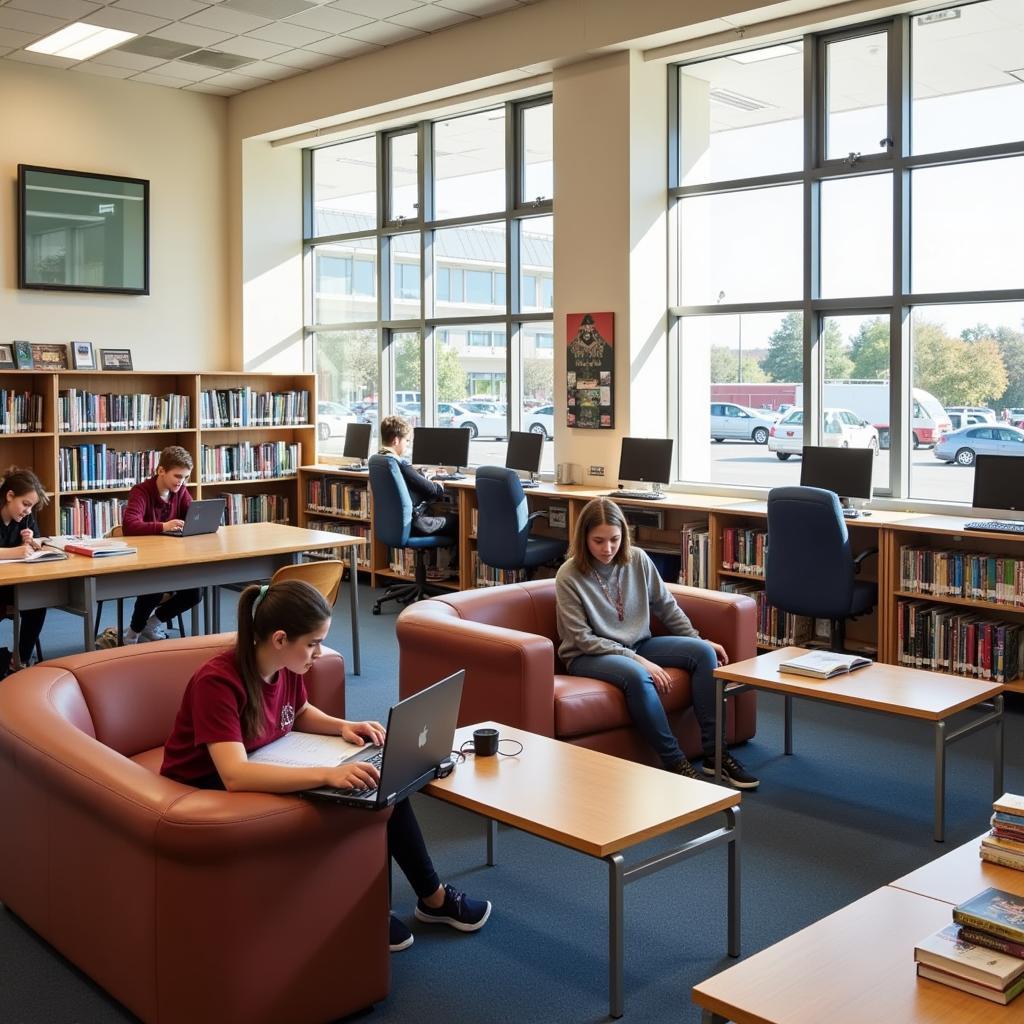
732,422
964,446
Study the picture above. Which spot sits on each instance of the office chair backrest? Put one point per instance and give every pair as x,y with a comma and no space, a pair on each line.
392,503
809,565
503,525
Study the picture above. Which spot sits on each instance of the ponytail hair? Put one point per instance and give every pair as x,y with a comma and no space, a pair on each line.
22,481
292,606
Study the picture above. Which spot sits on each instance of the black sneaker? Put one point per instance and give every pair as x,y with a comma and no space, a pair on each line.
5,662
458,910
732,772
399,937
685,769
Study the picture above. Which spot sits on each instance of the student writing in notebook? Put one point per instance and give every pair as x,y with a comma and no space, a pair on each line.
605,593
158,505
248,696
20,493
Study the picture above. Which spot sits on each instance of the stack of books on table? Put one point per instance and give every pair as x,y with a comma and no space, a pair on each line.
1004,845
982,951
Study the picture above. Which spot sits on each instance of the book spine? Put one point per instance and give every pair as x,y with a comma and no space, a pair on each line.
1004,858
980,938
997,928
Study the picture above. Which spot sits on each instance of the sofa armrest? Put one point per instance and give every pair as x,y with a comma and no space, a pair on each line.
509,673
728,619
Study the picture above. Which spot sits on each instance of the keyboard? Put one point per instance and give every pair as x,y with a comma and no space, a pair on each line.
442,477
995,526
851,513
377,760
530,483
639,495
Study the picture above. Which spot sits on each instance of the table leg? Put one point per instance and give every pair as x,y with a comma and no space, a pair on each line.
195,620
719,726
940,781
207,622
789,724
997,751
732,817
16,640
353,589
215,608
710,1017
89,612
615,952
491,827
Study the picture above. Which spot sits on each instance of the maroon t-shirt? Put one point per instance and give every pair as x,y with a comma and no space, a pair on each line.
146,511
211,712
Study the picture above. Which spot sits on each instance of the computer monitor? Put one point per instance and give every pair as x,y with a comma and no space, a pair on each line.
441,446
524,452
648,459
847,471
357,443
999,482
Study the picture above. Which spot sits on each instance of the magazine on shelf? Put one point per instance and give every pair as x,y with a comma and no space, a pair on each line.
42,555
823,664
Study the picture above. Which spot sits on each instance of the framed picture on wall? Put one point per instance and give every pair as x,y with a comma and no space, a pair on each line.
23,355
82,356
7,357
50,357
115,359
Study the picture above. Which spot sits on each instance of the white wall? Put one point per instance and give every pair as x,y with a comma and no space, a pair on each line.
176,139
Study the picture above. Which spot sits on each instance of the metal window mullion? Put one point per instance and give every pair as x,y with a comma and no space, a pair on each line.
514,381
468,221
814,128
737,184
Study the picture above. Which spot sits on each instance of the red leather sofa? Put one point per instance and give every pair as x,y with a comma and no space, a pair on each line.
506,640
189,906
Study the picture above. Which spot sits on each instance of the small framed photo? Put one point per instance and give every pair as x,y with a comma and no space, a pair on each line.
82,356
23,358
115,358
50,357
6,357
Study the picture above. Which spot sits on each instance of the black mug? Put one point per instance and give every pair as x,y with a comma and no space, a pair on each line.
485,742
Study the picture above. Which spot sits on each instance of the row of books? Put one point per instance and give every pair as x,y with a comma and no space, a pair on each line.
961,642
90,517
331,494
438,561
255,508
982,950
1004,845
968,574
249,461
21,412
695,539
484,575
743,550
79,410
775,628
244,407
353,530
97,467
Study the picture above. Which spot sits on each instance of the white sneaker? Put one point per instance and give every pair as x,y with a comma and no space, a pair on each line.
153,630
129,637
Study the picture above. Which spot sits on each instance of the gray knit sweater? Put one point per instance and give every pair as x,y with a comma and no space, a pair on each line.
588,621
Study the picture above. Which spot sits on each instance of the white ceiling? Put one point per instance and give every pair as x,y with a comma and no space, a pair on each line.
189,44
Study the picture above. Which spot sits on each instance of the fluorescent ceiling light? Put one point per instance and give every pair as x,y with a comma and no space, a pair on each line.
80,41
769,52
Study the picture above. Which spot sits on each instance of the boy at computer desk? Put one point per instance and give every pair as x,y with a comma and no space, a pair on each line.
158,505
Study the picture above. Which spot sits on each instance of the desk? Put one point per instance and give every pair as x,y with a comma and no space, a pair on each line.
249,551
891,689
588,801
960,874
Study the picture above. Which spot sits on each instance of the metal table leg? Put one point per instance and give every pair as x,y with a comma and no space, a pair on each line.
940,781
615,952
732,817
719,726
789,723
354,607
492,829
997,750
89,612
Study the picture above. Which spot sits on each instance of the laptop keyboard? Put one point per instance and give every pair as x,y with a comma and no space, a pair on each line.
377,760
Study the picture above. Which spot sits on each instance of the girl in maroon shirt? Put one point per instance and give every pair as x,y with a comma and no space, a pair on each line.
245,698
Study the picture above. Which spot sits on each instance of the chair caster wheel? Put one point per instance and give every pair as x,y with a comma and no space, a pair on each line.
376,609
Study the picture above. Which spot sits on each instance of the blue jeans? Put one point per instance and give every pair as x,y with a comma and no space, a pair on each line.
690,653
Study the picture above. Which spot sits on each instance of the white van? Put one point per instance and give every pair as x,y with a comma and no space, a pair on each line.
407,397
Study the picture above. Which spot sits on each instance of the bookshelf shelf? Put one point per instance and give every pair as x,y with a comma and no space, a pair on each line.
118,432
251,480
755,577
968,602
22,435
257,428
93,490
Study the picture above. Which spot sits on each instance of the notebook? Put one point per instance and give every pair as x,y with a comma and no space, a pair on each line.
420,733
202,517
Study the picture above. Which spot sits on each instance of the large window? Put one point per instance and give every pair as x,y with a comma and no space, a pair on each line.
430,257
848,217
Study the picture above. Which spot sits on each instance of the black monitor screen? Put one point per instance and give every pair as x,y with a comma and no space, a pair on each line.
524,451
357,441
440,446
999,482
847,471
646,458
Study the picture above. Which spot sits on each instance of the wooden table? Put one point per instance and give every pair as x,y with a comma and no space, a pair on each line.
248,551
890,689
601,806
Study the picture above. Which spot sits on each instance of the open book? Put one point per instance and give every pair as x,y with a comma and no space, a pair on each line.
91,547
42,555
823,664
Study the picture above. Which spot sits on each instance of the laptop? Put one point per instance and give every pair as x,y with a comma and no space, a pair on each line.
420,733
202,517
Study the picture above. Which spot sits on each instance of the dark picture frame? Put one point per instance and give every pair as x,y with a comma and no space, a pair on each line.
7,357
47,356
116,359
83,357
80,231
23,358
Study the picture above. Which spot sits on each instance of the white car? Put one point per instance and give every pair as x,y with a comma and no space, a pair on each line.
841,429
733,422
332,419
541,421
480,424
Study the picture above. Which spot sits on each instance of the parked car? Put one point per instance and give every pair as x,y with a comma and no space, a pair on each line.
965,445
733,422
332,418
958,420
841,428
1015,417
987,414
481,424
541,421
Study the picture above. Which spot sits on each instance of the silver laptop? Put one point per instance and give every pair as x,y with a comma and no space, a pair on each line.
421,730
202,517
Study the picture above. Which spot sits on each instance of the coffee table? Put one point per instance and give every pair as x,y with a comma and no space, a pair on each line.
588,801
890,689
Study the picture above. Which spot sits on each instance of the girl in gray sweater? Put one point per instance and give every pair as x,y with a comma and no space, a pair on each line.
606,592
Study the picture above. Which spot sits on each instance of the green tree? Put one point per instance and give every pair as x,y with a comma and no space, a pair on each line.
347,364
838,364
724,367
869,350
1011,351
408,365
957,372
451,377
538,378
785,360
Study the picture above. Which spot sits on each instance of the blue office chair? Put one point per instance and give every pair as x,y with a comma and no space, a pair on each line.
503,538
392,524
809,566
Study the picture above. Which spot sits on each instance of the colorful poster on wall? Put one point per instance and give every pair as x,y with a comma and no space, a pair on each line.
590,370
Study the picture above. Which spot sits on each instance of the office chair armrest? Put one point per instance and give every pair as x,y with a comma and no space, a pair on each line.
539,514
858,560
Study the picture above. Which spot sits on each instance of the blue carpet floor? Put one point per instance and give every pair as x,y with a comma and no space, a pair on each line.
850,811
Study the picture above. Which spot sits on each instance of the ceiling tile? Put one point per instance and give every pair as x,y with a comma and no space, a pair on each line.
39,58
152,78
127,21
209,87
227,21
191,72
304,59
153,46
194,35
383,33
106,70
236,81
28,21
11,37
273,9
4,50
327,20
216,59
282,32
479,7
161,8
340,46
71,10
269,72
429,18
375,8
121,59
258,49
